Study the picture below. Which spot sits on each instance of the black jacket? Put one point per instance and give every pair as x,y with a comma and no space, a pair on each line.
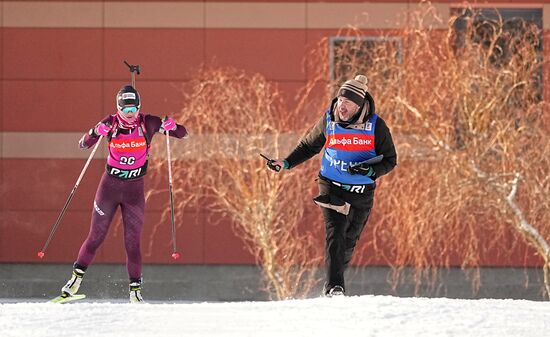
314,141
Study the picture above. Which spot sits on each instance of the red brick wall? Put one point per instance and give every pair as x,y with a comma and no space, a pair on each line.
60,69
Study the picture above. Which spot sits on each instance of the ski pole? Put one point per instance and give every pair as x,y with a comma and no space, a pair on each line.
56,224
175,254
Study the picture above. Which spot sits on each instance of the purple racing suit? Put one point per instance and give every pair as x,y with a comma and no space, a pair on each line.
122,185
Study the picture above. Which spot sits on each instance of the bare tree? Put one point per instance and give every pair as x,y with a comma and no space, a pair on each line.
472,133
233,117
465,106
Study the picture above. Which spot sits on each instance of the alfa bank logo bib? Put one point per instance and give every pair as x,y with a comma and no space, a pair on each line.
128,145
350,142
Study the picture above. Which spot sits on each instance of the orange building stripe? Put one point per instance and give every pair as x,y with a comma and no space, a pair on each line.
64,145
228,14
198,14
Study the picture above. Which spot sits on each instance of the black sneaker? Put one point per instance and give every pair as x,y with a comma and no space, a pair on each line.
335,291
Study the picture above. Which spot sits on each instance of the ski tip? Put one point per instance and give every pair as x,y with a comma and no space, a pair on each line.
176,255
65,298
40,254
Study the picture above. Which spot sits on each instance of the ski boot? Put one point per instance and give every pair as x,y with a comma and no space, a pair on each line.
135,292
72,286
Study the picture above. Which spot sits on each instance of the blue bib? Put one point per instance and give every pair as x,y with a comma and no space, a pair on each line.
344,147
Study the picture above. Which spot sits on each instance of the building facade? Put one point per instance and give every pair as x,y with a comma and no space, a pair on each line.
62,63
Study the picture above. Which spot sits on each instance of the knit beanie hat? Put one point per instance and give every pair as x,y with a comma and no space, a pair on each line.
355,89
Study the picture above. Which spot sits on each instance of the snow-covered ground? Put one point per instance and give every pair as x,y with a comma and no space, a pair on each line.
359,316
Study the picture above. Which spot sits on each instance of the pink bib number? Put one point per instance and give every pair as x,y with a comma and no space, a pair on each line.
127,153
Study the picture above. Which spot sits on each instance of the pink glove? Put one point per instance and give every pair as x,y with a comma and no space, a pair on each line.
168,124
102,129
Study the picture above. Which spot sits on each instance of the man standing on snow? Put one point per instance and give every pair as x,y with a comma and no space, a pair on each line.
351,133
129,133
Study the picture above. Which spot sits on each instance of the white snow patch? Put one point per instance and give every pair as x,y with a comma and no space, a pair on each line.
361,316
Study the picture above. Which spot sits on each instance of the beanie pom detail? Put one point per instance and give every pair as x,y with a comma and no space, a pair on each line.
355,90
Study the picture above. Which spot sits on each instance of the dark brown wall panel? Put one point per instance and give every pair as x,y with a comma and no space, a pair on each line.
65,80
54,105
275,53
25,232
221,245
29,211
53,53
158,98
157,239
163,54
44,185
156,243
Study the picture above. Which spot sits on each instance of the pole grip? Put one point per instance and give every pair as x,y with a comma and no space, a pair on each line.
133,69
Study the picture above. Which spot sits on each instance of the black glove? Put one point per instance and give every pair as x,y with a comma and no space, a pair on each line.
363,169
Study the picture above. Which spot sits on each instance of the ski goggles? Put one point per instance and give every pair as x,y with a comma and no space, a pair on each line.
129,109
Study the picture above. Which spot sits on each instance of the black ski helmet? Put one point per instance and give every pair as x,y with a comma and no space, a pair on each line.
127,96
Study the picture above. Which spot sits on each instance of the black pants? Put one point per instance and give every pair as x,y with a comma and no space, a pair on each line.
343,232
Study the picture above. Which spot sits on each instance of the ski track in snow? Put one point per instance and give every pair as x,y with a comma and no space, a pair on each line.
360,315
